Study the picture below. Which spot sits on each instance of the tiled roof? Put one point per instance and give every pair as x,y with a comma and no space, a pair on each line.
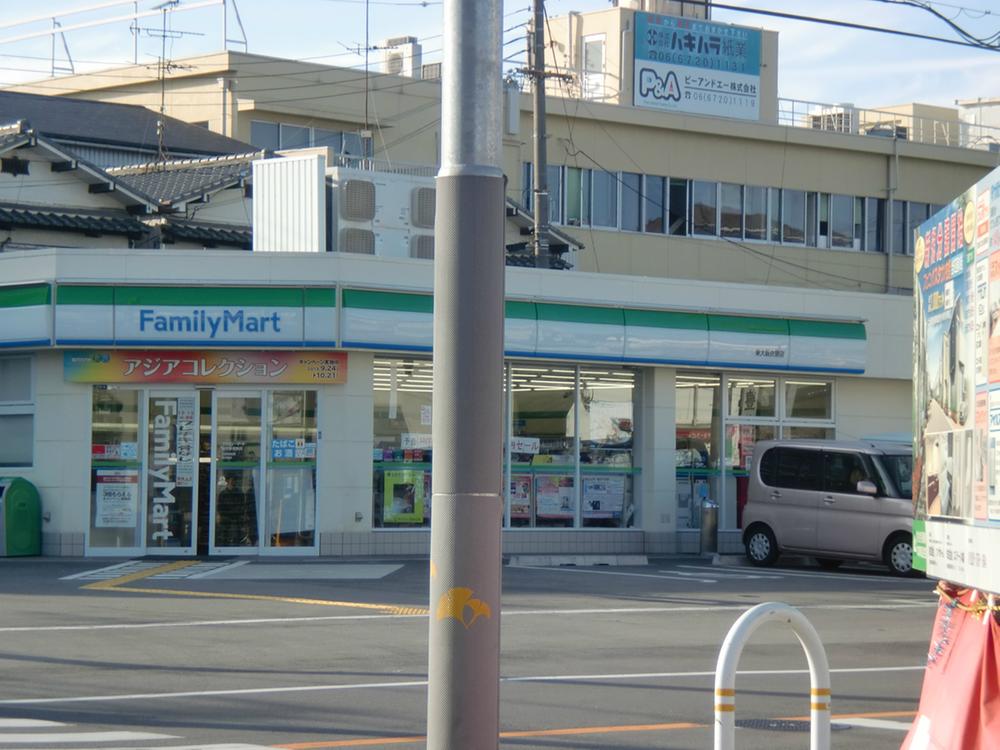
69,221
212,235
90,122
176,182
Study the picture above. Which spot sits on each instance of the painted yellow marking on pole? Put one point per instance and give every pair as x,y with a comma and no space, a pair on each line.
725,692
819,706
819,691
147,573
725,707
456,601
434,569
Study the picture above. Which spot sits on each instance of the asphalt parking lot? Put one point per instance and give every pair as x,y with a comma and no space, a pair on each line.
254,653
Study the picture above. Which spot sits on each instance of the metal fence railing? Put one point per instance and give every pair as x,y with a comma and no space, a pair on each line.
851,120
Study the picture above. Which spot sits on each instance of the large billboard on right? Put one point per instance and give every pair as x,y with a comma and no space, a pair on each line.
956,389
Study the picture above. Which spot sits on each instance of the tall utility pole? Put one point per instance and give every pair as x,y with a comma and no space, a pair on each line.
540,182
463,694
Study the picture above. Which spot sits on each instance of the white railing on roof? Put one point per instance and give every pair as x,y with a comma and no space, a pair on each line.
381,165
846,118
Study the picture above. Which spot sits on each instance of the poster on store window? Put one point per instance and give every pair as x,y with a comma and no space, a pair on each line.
403,496
956,388
116,504
603,495
554,496
520,496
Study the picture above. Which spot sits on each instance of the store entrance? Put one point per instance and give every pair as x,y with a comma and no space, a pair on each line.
234,518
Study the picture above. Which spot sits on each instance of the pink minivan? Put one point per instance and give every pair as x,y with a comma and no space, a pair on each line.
834,500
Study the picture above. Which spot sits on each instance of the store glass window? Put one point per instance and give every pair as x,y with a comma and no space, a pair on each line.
678,206
115,469
605,198
807,432
697,444
756,212
740,441
265,135
793,216
841,221
704,208
654,204
751,397
731,210
17,412
631,188
401,451
289,515
606,445
808,399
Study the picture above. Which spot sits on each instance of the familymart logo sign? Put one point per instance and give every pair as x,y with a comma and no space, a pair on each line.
218,325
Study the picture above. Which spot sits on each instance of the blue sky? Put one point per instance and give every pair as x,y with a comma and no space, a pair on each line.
816,63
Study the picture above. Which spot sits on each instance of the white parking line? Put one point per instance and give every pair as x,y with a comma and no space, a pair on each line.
842,577
49,738
423,683
28,723
898,726
116,569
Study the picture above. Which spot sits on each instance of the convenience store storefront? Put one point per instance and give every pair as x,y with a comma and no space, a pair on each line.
293,419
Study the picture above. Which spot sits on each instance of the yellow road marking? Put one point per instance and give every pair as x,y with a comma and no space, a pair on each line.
117,584
165,568
380,741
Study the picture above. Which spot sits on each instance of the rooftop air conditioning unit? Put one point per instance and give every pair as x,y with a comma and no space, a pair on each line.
381,213
431,71
402,56
842,118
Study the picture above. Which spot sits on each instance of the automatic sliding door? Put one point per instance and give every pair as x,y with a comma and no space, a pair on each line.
237,472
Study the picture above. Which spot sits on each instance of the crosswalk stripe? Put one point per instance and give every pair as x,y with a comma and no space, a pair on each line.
28,723
899,726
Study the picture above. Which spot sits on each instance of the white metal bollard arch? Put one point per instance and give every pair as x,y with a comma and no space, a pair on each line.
725,673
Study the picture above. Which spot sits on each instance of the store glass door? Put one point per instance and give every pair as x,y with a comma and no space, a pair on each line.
236,473
171,471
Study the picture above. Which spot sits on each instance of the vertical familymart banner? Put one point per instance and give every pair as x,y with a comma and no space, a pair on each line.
695,66
956,386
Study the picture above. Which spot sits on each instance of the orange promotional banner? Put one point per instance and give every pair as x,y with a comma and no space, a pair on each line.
205,367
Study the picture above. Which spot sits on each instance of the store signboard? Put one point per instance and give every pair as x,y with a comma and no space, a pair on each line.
957,389
697,67
205,367
25,316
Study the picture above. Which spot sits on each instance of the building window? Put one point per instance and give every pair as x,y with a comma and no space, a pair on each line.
704,207
294,136
731,210
330,138
774,211
756,213
577,196
897,239
553,175
605,196
752,397
793,216
17,412
678,206
918,214
654,203
631,186
265,135
812,219
875,225
593,66
527,185
841,221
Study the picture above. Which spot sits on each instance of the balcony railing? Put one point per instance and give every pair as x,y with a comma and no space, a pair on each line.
851,120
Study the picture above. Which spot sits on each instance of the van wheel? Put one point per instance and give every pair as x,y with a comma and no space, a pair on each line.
828,563
898,554
761,546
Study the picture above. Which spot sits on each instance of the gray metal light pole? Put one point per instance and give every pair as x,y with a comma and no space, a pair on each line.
540,187
463,695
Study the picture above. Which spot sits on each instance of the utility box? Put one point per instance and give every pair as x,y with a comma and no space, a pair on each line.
20,518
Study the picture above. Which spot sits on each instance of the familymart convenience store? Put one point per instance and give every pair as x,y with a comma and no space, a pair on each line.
160,414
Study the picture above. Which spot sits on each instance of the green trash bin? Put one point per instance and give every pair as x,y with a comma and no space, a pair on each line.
20,518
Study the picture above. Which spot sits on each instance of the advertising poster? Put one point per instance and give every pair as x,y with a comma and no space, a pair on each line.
204,367
117,502
603,495
520,496
403,496
554,496
698,67
957,390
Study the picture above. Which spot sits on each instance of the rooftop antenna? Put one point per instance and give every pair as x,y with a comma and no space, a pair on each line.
161,68
366,134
